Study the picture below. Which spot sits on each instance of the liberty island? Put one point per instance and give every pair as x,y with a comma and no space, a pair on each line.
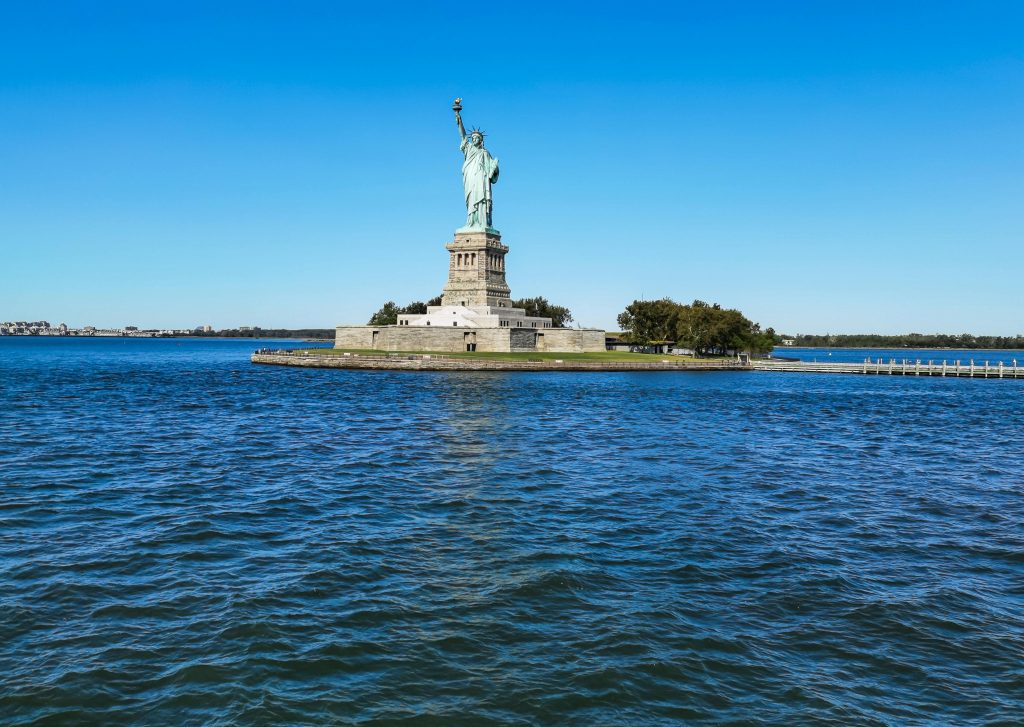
475,313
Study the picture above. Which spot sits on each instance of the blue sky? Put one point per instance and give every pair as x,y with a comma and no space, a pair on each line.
823,166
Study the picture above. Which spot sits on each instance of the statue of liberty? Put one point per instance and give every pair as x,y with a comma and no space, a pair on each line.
479,172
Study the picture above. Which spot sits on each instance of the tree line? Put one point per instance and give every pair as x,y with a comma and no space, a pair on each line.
908,340
704,328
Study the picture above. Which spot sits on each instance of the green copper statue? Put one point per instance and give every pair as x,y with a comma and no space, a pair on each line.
479,172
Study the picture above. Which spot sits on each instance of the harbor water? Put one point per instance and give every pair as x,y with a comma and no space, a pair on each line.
187,538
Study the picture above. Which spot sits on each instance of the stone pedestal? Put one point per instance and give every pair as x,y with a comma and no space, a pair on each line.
475,314
476,270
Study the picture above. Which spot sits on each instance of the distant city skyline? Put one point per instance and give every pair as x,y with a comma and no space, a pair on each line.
823,168
43,327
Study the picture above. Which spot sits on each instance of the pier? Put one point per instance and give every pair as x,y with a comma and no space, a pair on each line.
904,367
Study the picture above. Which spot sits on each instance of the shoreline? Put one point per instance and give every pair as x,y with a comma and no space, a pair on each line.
441,363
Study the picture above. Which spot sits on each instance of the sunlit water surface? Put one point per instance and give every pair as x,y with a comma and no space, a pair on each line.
187,538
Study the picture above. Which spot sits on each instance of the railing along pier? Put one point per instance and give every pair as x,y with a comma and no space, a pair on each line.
905,367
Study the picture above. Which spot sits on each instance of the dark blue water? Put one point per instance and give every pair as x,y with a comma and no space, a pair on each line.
186,538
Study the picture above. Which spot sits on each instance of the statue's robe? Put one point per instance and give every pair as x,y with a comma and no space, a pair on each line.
479,172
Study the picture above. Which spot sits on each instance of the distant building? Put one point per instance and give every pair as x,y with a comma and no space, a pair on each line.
788,341
616,342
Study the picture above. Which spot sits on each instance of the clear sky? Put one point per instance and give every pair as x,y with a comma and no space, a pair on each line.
823,166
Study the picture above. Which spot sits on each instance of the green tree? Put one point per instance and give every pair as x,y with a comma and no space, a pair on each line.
389,312
646,321
695,326
702,327
414,307
730,330
763,341
540,306
386,316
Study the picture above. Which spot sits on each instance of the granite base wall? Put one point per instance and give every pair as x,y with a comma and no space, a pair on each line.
356,337
455,339
572,340
410,338
523,340
421,338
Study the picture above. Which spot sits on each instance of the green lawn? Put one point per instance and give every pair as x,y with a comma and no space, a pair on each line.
544,356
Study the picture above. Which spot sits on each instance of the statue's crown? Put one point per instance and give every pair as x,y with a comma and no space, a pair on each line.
475,130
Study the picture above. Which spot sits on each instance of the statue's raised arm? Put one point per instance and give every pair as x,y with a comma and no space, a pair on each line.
479,172
457,108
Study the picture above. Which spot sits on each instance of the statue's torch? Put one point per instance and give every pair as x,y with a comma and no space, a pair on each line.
457,108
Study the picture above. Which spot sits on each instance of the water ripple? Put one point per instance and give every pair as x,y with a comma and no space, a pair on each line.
190,539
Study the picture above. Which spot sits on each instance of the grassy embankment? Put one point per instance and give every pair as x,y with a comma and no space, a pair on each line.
529,356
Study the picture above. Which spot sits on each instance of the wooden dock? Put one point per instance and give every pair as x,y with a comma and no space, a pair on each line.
905,367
